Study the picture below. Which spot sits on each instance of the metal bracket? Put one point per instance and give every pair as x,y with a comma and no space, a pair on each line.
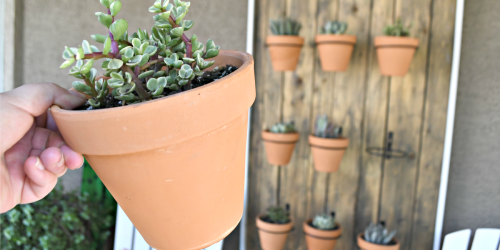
388,152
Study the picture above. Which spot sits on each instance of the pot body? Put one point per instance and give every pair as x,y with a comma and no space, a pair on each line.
335,51
365,245
321,239
285,51
279,146
327,152
395,54
272,236
175,165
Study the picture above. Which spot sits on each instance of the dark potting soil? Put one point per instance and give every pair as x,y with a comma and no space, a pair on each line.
206,78
393,242
311,224
268,220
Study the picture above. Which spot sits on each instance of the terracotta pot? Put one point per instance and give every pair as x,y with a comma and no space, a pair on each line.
335,51
327,152
395,54
318,239
272,236
365,245
279,146
176,165
285,51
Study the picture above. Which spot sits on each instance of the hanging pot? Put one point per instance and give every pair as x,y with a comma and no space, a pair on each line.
395,54
285,51
327,152
176,165
272,236
318,239
279,146
335,51
365,245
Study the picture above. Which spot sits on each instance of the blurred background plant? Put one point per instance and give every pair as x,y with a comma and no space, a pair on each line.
60,221
324,221
285,27
283,127
334,27
278,215
325,129
378,234
397,29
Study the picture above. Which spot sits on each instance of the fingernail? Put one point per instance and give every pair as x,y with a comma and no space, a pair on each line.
38,164
77,94
61,162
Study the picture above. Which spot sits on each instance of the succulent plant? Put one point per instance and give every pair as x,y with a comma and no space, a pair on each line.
278,215
283,127
325,129
378,234
285,27
324,221
398,29
141,66
334,27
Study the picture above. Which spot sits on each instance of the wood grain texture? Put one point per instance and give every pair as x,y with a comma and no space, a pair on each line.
405,119
297,99
366,188
348,98
434,123
265,111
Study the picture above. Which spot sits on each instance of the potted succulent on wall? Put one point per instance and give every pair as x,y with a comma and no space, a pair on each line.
395,50
322,232
280,141
377,237
168,144
274,227
335,48
285,44
327,145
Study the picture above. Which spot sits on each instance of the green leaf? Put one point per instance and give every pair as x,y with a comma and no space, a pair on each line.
105,64
177,32
159,74
187,24
124,49
98,38
154,9
127,88
158,91
87,66
135,61
119,27
94,49
163,24
67,63
115,83
69,52
146,74
152,84
104,19
143,47
94,103
168,6
151,50
106,3
136,43
174,42
115,64
117,76
157,4
81,54
86,47
126,97
178,64
107,46
174,87
188,60
210,44
212,53
162,81
81,87
115,7
144,60
128,54
183,82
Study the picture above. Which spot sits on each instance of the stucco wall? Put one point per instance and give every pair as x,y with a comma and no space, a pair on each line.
473,199
46,26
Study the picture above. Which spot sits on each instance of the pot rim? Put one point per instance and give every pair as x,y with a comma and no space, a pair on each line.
396,42
329,143
285,40
274,228
343,39
320,234
271,137
247,61
369,244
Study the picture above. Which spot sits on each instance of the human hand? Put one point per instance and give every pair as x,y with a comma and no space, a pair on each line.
34,155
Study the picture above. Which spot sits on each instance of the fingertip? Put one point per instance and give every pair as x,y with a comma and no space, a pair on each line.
73,159
34,162
77,94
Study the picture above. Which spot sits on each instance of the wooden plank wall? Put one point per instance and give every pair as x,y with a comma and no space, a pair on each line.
403,192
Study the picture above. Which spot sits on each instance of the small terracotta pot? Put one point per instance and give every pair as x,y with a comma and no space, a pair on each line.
395,54
272,236
365,245
327,152
335,51
176,165
279,146
318,239
285,51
